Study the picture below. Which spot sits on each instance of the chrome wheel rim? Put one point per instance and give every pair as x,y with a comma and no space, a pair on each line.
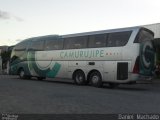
95,79
22,74
79,78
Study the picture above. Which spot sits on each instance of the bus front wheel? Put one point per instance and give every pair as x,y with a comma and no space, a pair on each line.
96,79
40,78
22,74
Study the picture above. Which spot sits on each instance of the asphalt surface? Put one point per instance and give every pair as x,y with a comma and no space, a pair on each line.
63,96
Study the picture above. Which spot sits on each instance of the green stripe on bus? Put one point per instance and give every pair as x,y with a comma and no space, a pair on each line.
54,70
45,72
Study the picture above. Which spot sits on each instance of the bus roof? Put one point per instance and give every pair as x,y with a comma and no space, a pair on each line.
40,37
86,33
102,31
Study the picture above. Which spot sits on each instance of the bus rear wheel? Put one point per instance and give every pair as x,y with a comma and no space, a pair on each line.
79,77
96,79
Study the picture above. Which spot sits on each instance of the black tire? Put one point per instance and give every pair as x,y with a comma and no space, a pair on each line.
22,74
40,78
79,77
113,85
96,79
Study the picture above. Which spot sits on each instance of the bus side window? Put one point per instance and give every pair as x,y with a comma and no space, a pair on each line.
118,38
36,45
76,42
54,44
98,40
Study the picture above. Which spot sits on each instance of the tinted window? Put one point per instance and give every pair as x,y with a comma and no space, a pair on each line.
19,52
36,45
118,38
144,35
97,40
76,42
21,46
53,44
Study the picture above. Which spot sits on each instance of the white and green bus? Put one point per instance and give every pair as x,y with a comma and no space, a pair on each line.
112,56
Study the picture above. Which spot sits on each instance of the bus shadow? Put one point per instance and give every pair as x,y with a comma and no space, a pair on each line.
59,81
125,87
132,89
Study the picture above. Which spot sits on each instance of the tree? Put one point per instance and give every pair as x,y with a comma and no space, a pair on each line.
5,58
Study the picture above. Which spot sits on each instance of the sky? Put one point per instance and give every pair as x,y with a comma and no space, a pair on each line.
21,19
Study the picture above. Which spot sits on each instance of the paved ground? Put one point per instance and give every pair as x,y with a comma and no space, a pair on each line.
32,96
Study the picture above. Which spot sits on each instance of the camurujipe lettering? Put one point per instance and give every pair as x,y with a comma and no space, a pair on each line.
82,54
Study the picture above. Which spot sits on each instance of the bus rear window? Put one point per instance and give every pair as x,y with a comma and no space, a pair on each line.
144,35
